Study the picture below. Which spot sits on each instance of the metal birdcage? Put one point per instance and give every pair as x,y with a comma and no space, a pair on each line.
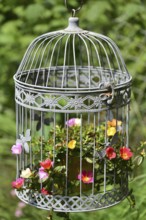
72,115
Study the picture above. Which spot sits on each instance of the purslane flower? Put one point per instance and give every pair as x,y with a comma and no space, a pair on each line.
46,164
73,122
72,144
110,153
86,177
18,183
44,191
111,131
26,173
42,174
16,149
114,123
125,153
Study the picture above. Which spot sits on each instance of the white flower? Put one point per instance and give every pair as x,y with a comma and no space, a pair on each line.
26,173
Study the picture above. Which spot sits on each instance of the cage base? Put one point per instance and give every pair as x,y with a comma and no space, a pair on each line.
60,203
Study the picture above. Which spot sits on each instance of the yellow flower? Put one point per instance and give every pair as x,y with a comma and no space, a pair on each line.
111,131
26,173
113,123
72,144
143,153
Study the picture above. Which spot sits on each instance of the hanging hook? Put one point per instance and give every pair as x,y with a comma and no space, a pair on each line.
72,10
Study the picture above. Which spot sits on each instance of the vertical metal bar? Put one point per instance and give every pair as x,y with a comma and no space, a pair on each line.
41,146
25,128
17,121
54,143
88,58
106,119
123,125
127,125
94,150
22,132
88,112
74,57
81,153
64,61
31,115
17,166
17,132
67,139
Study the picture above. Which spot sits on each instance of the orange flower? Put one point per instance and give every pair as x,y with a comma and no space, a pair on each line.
110,153
125,153
72,144
114,123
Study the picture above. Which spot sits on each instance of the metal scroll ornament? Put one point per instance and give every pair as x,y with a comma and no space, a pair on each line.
72,109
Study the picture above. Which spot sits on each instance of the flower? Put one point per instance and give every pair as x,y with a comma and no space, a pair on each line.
26,173
73,122
114,123
44,191
47,164
86,177
18,183
21,205
143,153
72,144
18,213
110,153
125,153
43,176
111,131
16,149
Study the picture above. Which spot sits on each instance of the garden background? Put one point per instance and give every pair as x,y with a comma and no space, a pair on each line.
20,22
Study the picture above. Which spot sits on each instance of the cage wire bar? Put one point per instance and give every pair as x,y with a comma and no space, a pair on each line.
72,74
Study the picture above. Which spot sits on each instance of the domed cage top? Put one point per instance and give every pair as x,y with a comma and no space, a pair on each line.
72,108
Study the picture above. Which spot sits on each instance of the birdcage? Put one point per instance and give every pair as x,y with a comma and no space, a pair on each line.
72,116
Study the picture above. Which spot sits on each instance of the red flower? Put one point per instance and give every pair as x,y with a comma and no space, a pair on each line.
18,183
47,164
110,153
125,153
86,177
44,191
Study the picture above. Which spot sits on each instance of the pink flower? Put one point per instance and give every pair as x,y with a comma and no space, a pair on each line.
18,213
42,174
110,153
73,122
86,177
21,205
47,164
125,153
16,149
18,183
44,191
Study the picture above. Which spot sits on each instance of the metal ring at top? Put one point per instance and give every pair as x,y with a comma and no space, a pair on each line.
72,10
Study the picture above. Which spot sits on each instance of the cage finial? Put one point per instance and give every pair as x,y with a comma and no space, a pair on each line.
73,11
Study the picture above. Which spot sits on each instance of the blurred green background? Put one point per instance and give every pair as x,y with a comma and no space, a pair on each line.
20,22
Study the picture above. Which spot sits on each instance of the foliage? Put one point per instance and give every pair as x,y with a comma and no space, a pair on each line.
53,169
21,21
